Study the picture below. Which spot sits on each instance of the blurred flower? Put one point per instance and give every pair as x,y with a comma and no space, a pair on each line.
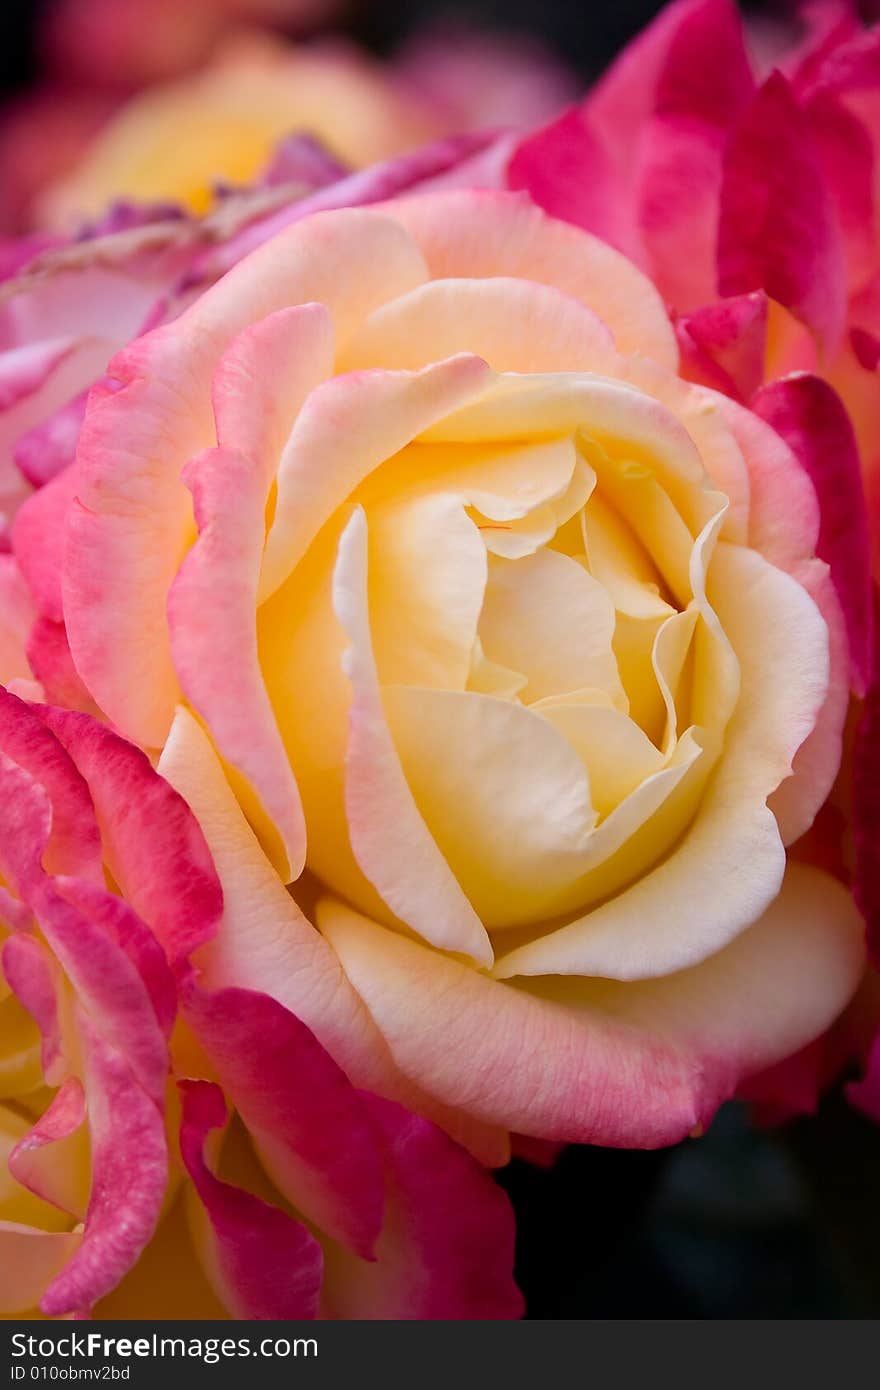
67,150
180,141
749,196
477,80
105,44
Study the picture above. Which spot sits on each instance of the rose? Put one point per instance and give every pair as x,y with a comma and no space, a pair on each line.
403,1223
177,141
758,188
94,55
323,408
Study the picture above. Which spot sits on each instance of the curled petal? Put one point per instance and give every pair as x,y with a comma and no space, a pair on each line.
446,1250
261,1263
129,1174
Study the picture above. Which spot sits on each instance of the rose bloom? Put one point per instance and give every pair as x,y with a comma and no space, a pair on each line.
512,645
744,184
177,141
117,1063
181,140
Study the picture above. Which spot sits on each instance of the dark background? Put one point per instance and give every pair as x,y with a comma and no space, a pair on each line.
586,33
740,1223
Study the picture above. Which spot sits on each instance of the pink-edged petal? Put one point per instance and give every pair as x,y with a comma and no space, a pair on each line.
124,927
784,516
129,1175
26,368
778,229
212,619
152,842
515,325
264,943
48,1160
51,662
50,446
38,540
307,1121
723,344
103,975
446,1249
261,1263
106,981
798,799
597,1061
866,811
74,844
32,975
25,827
263,378
29,1260
567,170
494,233
413,878
812,420
508,1057
347,428
132,520
444,159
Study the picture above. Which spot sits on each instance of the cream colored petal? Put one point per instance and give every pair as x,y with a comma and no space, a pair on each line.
427,569
504,794
521,537
391,841
545,616
732,858
516,325
488,678
620,562
265,943
623,422
506,234
505,482
347,427
617,755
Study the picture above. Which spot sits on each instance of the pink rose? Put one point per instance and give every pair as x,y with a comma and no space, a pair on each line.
72,146
102,1006
747,194
512,639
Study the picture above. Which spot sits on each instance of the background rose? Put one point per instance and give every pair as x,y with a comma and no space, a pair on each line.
93,1213
67,152
67,304
180,141
680,1015
754,182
